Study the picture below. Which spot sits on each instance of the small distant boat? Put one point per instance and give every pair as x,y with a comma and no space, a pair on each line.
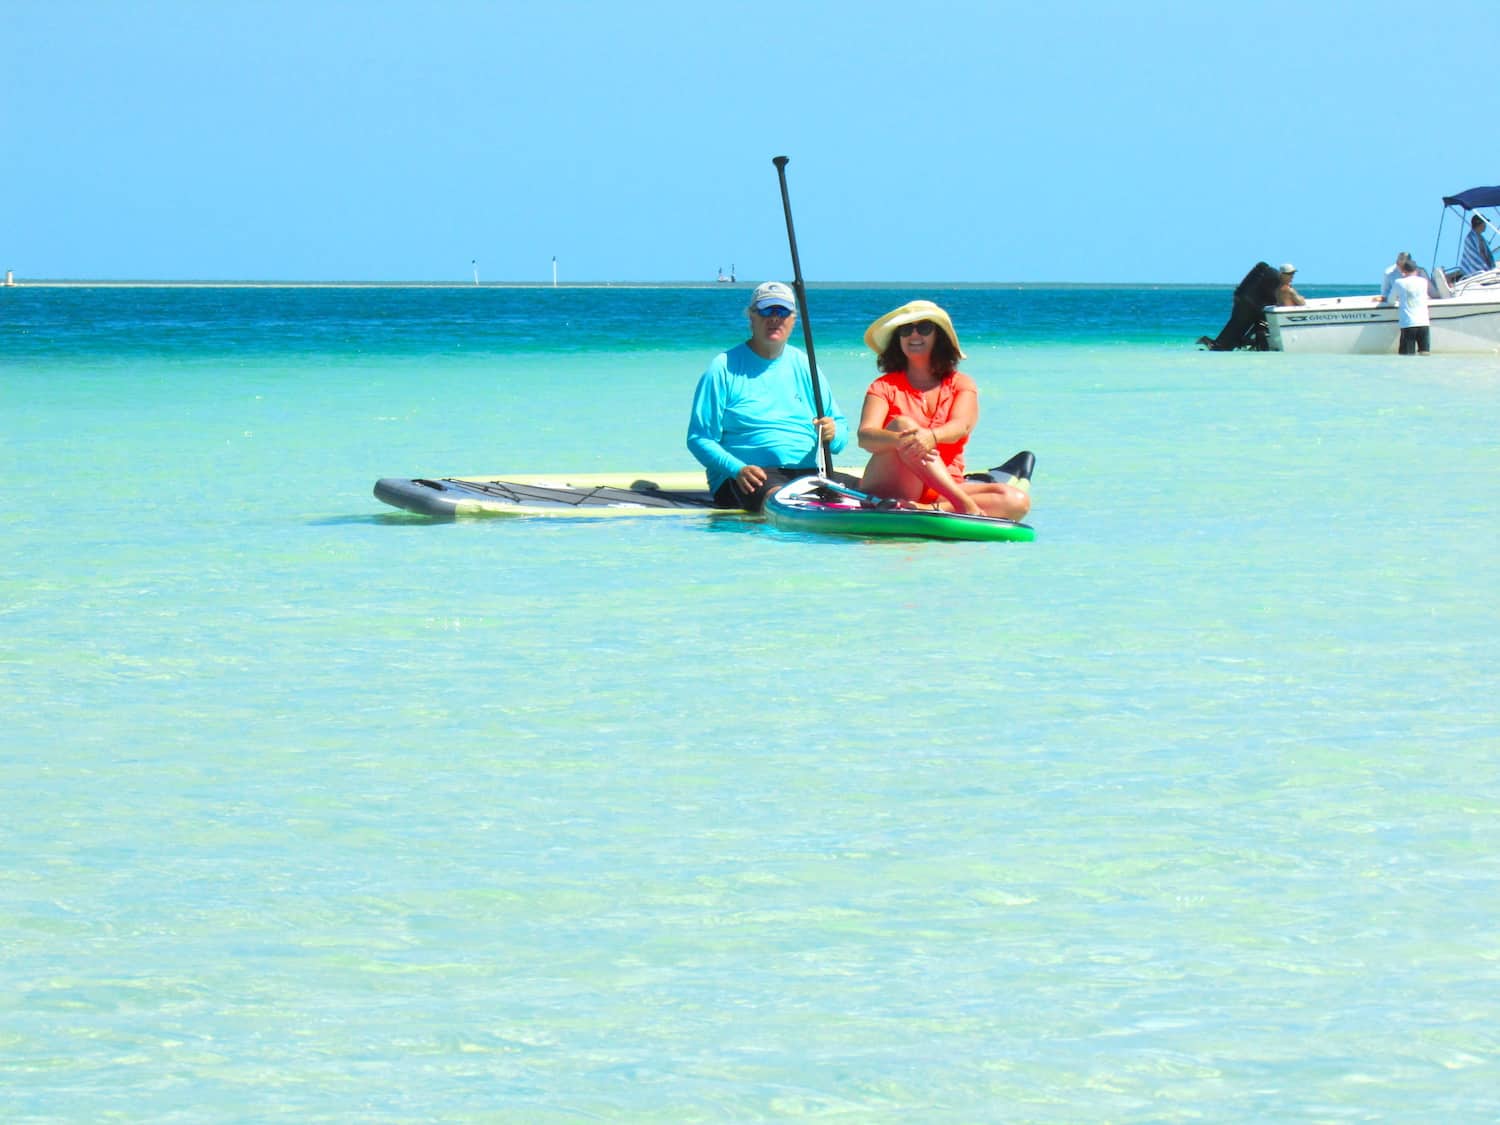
1465,314
726,278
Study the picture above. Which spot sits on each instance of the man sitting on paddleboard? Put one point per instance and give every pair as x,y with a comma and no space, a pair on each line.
753,426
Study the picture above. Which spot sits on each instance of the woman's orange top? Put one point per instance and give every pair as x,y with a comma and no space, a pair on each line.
902,398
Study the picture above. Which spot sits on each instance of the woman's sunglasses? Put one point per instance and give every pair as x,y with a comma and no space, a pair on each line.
921,328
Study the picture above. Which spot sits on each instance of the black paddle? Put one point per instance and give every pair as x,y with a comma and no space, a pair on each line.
812,362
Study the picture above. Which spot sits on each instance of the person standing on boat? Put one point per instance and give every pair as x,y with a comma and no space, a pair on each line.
918,415
1410,295
1285,294
1393,275
1477,255
752,426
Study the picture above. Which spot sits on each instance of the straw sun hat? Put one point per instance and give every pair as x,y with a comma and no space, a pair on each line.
878,335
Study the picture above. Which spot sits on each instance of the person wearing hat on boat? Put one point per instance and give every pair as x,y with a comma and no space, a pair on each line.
1285,294
753,426
918,415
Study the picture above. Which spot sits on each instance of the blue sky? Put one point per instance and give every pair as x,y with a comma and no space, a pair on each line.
947,141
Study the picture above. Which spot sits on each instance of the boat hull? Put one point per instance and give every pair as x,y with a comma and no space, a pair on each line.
1464,324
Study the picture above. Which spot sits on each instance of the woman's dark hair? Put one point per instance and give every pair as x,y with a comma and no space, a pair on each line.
944,354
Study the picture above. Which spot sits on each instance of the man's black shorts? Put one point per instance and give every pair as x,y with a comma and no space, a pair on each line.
1416,340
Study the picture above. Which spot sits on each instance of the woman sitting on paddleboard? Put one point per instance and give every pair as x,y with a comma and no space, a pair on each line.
918,416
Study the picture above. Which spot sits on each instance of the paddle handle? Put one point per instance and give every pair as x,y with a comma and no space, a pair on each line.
801,290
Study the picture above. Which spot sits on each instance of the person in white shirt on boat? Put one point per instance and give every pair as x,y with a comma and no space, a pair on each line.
1392,272
1393,275
1410,294
1476,256
1285,294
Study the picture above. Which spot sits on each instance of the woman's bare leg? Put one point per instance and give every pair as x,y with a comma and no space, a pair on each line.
887,473
1002,500
930,470
892,474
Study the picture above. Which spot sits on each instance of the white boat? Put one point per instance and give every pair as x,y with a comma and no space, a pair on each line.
1465,314
1468,321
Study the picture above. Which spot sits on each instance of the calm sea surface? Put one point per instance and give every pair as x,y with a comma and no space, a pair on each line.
312,810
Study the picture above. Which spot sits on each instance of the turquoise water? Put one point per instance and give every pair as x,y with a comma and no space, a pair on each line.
317,811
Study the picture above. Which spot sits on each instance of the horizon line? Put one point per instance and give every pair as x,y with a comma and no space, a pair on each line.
189,283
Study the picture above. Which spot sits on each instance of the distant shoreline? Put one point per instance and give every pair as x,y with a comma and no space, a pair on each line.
72,283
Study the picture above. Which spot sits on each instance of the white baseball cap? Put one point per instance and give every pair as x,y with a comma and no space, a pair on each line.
771,293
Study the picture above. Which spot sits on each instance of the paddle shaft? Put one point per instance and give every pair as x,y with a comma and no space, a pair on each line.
797,284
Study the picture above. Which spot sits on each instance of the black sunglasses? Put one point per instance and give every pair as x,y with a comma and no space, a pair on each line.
921,328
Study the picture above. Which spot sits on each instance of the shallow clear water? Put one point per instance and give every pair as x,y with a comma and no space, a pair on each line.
315,810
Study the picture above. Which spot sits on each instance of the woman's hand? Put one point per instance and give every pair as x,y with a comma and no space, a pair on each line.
915,446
